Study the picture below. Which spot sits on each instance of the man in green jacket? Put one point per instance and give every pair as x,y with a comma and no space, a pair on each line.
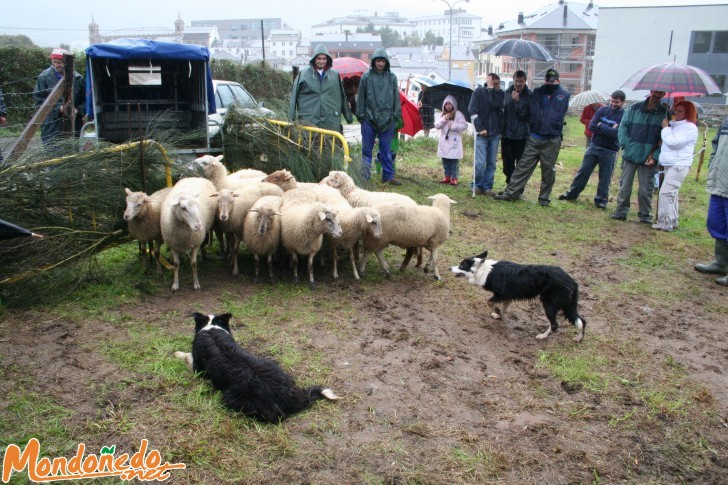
378,109
44,84
318,94
639,134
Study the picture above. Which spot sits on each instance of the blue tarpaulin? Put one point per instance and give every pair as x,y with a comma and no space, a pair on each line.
144,49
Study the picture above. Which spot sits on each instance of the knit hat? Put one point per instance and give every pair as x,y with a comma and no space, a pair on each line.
58,53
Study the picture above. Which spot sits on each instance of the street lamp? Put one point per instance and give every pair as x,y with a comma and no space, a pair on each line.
449,57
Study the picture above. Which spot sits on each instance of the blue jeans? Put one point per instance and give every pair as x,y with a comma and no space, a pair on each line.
368,134
486,149
451,167
593,157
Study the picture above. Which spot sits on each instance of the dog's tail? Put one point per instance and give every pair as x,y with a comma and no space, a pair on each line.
573,316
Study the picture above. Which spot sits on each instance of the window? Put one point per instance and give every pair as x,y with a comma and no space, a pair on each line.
701,42
720,44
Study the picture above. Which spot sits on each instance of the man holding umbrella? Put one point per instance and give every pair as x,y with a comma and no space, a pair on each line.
639,136
486,111
548,106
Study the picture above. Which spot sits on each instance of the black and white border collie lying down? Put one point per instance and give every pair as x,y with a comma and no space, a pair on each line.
252,385
511,281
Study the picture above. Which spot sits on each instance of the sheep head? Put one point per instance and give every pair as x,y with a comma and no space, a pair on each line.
331,221
225,200
135,204
374,222
186,209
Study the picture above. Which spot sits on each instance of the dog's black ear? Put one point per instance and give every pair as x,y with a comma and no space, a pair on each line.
200,320
223,320
483,255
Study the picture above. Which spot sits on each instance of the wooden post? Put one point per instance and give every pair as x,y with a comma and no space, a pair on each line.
69,117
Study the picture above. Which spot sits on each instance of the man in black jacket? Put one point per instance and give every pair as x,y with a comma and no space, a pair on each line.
602,151
515,124
486,111
548,105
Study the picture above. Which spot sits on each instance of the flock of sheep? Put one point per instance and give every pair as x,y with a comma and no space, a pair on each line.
268,212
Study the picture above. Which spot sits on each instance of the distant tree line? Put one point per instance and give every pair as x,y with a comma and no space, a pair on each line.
392,38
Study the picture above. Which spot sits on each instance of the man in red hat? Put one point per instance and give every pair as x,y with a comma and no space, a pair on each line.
45,83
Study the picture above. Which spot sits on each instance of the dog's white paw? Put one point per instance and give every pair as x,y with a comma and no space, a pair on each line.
181,355
578,338
544,335
329,394
496,315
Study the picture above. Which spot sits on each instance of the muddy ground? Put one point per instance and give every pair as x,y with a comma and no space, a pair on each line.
434,390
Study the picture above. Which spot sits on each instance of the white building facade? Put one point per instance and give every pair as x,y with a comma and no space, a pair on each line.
632,38
465,27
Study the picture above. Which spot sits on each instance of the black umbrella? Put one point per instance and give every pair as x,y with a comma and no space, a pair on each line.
520,49
10,231
435,95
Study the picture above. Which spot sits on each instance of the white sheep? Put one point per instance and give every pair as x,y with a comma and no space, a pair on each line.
232,207
218,174
355,223
262,231
187,215
363,198
411,227
302,228
285,180
142,219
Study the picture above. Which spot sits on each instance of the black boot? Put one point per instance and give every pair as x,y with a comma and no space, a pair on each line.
720,264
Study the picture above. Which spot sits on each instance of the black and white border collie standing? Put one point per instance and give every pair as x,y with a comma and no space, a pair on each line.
511,281
252,385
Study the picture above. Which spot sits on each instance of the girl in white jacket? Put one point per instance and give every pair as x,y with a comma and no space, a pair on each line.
451,124
676,156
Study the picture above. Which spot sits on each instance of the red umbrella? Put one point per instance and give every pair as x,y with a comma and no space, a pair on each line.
350,67
673,78
410,116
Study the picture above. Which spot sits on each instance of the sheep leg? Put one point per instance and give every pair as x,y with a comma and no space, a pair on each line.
433,261
154,250
270,269
193,263
234,255
336,272
311,282
294,262
382,262
407,257
353,264
363,262
175,284
256,263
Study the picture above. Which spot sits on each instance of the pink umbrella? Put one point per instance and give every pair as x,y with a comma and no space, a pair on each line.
350,67
676,79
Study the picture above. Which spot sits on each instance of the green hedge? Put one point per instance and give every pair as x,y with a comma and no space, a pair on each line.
265,83
19,66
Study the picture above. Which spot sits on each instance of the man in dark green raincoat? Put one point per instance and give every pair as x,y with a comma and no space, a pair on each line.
47,80
378,109
318,94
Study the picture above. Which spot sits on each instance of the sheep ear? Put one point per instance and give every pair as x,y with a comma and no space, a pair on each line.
175,201
369,218
128,192
215,194
322,215
253,210
278,213
452,201
219,158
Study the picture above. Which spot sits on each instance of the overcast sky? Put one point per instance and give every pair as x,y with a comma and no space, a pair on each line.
49,23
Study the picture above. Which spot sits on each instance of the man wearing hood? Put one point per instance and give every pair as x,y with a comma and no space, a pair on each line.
318,94
44,84
378,109
548,105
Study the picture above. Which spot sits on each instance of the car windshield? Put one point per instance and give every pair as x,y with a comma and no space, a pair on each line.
242,97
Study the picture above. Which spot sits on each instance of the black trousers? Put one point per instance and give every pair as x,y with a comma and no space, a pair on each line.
511,153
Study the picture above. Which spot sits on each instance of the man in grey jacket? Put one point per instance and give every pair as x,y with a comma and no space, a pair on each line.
378,109
717,187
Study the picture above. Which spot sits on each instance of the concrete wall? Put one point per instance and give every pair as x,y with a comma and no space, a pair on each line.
631,38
